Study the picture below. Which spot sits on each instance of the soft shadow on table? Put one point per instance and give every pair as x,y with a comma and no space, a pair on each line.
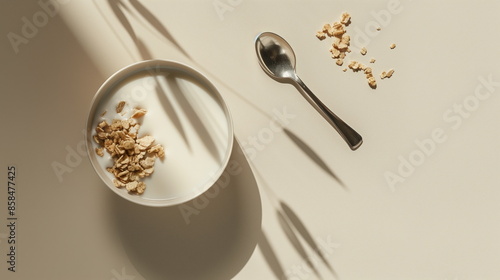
299,226
294,240
270,256
207,238
157,25
118,7
295,230
312,155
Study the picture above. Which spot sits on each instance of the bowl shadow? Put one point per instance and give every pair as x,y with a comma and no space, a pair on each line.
209,237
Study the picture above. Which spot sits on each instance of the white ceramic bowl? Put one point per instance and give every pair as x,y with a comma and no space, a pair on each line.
186,114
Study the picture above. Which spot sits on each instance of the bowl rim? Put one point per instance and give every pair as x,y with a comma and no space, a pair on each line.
127,72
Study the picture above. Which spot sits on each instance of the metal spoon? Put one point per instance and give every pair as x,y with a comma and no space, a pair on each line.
277,59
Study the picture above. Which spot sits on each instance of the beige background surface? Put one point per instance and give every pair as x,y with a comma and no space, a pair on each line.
300,190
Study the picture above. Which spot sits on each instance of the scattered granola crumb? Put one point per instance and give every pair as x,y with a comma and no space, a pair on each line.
103,113
134,158
138,113
337,30
369,76
345,19
340,48
321,35
326,28
335,53
387,74
356,66
371,82
353,65
119,107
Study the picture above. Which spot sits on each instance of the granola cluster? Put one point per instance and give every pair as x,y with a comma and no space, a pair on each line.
341,42
134,158
340,48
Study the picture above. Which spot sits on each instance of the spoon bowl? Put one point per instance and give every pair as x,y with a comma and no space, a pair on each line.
276,56
277,59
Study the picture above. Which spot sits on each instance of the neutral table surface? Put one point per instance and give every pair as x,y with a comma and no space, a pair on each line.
419,199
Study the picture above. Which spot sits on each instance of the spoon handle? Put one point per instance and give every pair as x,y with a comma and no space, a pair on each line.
352,138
